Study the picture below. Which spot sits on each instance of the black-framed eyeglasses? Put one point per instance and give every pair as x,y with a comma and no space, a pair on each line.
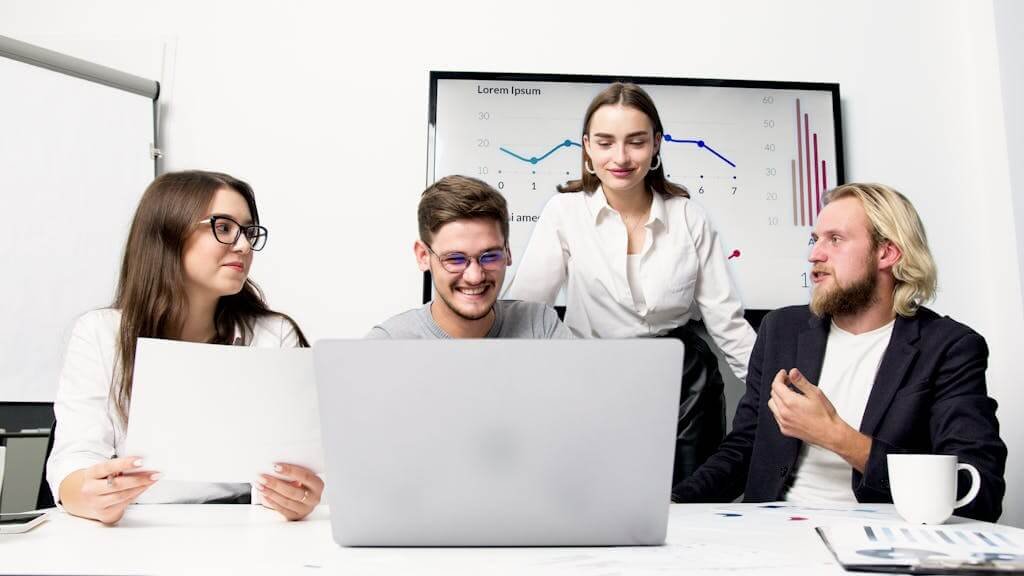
226,230
457,262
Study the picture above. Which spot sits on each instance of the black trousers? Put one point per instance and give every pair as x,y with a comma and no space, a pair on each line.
701,424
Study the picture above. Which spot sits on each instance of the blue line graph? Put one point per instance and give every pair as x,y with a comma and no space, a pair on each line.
535,159
700,144
569,143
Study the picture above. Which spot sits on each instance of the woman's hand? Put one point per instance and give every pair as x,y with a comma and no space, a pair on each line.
295,495
103,491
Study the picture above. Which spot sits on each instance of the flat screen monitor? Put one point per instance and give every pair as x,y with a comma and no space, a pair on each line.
758,155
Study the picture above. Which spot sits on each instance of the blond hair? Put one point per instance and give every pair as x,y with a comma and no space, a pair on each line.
894,219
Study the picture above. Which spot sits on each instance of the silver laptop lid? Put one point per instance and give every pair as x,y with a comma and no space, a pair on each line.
499,442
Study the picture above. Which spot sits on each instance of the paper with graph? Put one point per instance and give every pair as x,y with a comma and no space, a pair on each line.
950,548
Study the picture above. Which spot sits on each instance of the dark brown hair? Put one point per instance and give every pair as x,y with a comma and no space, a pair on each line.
151,287
460,198
633,96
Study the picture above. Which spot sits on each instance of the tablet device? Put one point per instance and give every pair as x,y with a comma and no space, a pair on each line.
22,522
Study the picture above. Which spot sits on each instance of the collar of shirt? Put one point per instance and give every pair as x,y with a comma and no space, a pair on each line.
598,205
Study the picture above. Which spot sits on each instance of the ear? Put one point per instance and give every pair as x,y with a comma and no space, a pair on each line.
586,144
422,255
658,137
889,254
508,256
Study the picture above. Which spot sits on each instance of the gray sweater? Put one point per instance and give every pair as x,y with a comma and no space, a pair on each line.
512,319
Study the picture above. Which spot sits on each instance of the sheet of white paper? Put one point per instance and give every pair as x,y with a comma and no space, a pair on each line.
773,513
210,413
909,544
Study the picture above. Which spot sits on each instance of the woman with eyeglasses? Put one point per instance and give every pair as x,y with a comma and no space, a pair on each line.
184,276
640,259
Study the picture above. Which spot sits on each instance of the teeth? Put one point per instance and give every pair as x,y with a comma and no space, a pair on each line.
472,291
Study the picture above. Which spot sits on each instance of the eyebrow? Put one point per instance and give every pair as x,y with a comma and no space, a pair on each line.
829,232
223,215
630,135
484,251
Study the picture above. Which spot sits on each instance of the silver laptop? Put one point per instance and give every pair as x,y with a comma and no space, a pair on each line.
499,442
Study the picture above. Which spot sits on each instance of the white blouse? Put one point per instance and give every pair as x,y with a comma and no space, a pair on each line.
88,428
580,240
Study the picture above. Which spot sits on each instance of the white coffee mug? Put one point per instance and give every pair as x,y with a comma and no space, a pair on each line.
924,486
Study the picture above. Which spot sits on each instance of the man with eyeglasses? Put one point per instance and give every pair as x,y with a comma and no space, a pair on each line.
463,227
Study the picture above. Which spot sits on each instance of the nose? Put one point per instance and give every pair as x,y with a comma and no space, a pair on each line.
817,252
474,272
620,156
241,245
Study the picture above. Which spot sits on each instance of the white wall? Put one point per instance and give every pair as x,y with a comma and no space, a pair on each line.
322,107
1009,14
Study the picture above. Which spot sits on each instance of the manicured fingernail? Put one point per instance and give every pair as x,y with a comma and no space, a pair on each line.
262,480
155,476
137,463
278,468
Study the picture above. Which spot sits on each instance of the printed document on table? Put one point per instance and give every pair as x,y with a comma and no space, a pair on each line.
955,548
213,413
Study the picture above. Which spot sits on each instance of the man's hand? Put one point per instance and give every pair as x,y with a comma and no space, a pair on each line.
806,414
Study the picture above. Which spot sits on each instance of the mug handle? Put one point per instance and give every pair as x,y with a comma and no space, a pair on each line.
975,484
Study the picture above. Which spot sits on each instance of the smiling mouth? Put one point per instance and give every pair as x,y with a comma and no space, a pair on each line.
818,275
621,171
472,290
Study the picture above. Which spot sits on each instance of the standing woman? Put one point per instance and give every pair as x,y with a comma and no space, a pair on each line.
184,276
640,259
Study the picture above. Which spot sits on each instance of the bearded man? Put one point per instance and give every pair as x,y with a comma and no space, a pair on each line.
862,372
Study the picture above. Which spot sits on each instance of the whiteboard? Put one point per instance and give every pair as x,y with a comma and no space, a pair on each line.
74,161
757,155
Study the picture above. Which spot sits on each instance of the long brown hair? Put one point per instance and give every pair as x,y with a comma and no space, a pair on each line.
151,287
633,96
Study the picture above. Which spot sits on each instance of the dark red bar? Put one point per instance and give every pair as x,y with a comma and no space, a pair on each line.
810,199
817,188
800,159
824,177
792,184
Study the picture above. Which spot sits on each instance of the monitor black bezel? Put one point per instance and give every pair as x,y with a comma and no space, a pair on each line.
754,316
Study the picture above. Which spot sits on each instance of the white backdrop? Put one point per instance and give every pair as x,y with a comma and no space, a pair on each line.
322,107
74,159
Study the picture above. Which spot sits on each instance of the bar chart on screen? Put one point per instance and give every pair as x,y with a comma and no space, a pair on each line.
756,157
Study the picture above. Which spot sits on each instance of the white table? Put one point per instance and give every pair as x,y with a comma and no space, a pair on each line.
175,539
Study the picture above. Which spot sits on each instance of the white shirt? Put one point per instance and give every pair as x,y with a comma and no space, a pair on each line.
847,374
89,430
634,279
581,240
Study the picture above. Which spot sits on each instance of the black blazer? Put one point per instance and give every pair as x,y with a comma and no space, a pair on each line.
929,397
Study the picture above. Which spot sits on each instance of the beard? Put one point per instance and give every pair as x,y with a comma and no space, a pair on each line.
846,300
